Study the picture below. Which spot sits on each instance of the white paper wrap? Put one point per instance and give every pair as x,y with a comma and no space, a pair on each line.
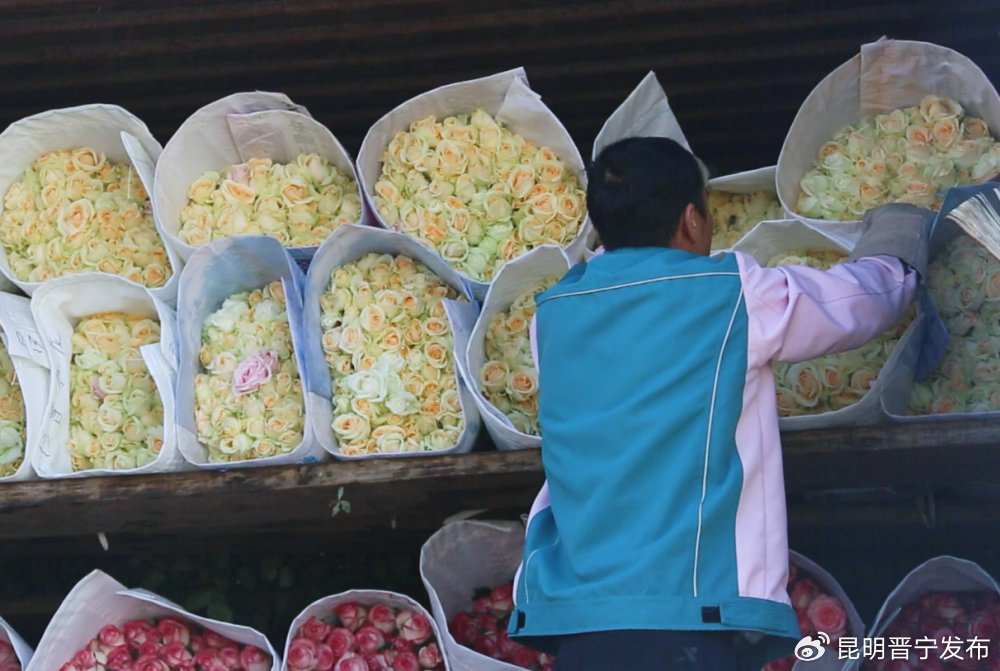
349,243
885,75
22,650
514,278
58,306
455,561
322,609
214,273
773,237
99,127
644,113
505,95
31,365
855,627
230,131
939,574
99,600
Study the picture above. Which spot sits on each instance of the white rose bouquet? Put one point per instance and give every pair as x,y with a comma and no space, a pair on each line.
734,214
12,417
477,193
389,346
73,211
910,155
116,416
508,378
833,381
298,203
964,283
249,401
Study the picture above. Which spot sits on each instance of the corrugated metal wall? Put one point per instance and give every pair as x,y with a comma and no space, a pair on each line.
735,72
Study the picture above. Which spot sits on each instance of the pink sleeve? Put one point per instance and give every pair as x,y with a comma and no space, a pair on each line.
797,313
533,339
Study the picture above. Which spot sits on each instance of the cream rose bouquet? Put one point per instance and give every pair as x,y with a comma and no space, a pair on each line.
74,210
249,399
909,155
734,214
833,381
298,203
477,193
388,344
12,417
116,415
964,284
508,378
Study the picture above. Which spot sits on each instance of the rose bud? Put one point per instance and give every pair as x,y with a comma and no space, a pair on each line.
119,658
502,599
486,644
406,660
136,632
525,657
149,649
380,661
398,643
463,628
84,659
368,640
150,663
110,636
195,644
945,606
351,662
253,658
429,656
486,622
325,658
827,614
176,654
315,629
804,591
207,657
171,629
230,657
340,640
481,605
302,654
213,640
350,614
382,617
416,629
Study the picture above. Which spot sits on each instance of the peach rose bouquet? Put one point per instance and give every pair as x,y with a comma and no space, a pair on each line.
12,417
734,214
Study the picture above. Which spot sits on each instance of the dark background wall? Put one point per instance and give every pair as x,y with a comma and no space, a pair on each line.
735,72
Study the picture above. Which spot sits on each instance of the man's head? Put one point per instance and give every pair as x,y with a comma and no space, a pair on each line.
649,192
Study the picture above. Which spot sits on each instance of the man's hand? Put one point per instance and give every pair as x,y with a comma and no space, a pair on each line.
899,230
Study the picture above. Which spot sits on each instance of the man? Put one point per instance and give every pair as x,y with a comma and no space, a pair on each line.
660,538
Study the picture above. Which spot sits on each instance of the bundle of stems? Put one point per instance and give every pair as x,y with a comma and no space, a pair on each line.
979,218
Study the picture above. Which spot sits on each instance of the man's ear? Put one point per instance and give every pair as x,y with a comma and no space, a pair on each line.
687,234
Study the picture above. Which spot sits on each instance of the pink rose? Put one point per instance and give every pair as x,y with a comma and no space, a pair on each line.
398,643
380,661
149,649
340,640
84,659
416,629
463,628
524,657
176,654
69,666
302,654
368,640
429,656
210,639
207,658
486,644
827,613
119,658
982,625
502,599
230,657
109,636
481,605
350,614
352,661
315,629
505,646
171,630
942,605
196,644
486,622
253,658
802,593
382,617
406,661
150,663
253,371
325,658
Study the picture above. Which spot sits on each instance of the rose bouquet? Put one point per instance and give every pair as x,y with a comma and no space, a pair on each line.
116,415
508,378
964,284
8,657
75,210
389,348
834,381
908,155
165,644
483,628
477,193
734,214
13,420
249,399
14,652
298,203
360,638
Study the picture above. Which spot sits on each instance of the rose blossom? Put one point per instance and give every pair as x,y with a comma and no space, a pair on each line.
315,629
150,648
368,639
110,636
382,617
406,660
150,663
252,372
429,656
463,628
502,599
340,640
171,630
398,643
827,614
230,657
136,632
324,657
119,658
417,628
302,654
803,593
253,658
380,661
350,614
524,657
351,662
176,654
486,644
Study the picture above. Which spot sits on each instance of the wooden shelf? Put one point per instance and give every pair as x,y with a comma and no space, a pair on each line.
835,477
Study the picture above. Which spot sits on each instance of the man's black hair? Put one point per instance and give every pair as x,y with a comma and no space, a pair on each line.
637,189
